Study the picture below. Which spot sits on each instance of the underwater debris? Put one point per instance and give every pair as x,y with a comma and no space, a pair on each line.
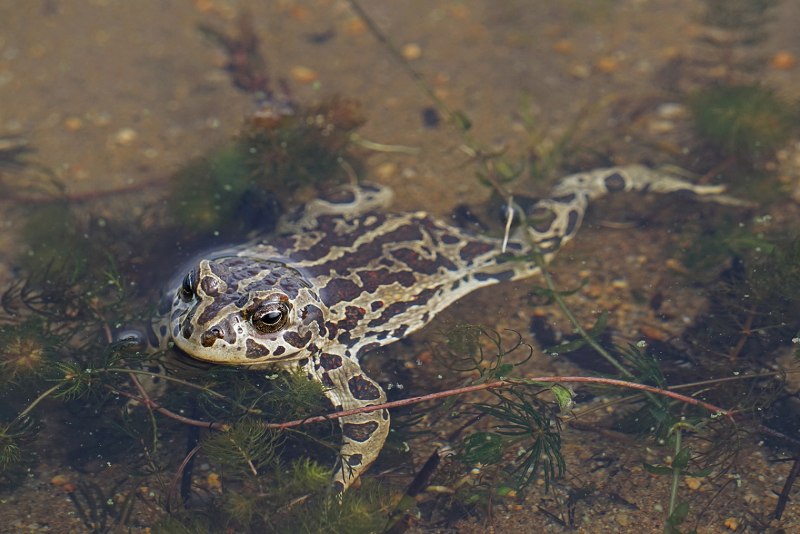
246,65
12,149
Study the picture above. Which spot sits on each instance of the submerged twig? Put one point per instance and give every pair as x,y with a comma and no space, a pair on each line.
783,497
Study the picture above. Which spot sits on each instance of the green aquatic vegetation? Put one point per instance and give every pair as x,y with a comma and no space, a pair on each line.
549,150
526,422
754,303
739,14
305,147
464,350
746,121
205,194
99,510
240,188
28,350
15,436
54,235
246,447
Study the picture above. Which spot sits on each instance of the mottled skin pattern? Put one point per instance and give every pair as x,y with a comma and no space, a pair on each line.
341,278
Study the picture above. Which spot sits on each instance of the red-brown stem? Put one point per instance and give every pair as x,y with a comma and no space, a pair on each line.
149,403
153,405
501,384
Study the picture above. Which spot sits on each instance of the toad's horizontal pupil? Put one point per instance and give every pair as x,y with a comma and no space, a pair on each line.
272,317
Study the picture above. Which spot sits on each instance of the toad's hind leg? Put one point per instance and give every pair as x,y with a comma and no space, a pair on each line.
363,435
597,183
556,219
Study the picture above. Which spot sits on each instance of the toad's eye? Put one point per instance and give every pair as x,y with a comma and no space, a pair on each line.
270,317
187,289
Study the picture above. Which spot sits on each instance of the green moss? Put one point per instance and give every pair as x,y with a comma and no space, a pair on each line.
746,121
205,194
305,147
235,189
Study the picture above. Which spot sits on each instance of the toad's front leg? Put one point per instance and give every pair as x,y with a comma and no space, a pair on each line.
363,435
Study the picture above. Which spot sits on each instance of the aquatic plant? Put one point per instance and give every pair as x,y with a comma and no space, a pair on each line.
241,188
748,121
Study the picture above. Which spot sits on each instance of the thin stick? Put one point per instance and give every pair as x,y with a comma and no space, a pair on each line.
503,384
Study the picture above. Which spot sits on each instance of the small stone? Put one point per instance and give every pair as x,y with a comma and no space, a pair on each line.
651,332
731,523
563,46
300,13
676,266
783,60
302,74
579,70
660,127
73,124
204,6
213,481
619,283
59,480
125,136
354,27
607,65
693,483
386,170
672,111
411,51
622,520
594,291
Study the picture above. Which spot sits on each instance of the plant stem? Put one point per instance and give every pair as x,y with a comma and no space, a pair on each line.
37,400
676,476
548,280
503,384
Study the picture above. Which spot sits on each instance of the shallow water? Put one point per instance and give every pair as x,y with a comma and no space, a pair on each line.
115,97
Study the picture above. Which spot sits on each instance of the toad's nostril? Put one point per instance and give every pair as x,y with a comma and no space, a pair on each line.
211,335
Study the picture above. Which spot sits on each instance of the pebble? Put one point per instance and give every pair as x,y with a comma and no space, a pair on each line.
579,70
675,265
73,124
59,480
213,481
672,111
783,60
619,283
125,136
693,483
607,65
302,74
563,46
651,332
354,27
660,126
622,520
731,523
411,51
300,13
386,170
